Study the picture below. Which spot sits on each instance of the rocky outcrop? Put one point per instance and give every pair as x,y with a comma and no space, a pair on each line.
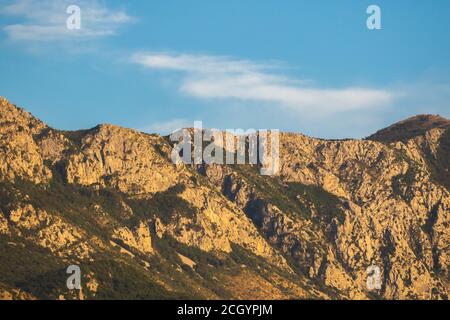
50,232
20,156
124,159
14,294
216,226
138,239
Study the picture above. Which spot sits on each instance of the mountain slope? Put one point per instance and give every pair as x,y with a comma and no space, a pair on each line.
410,128
429,135
110,200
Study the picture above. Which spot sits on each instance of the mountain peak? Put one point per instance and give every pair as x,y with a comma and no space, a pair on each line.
410,128
12,114
4,103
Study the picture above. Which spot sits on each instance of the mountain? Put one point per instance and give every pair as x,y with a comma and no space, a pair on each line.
419,129
412,127
111,201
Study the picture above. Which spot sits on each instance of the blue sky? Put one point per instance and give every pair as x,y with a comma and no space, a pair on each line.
302,66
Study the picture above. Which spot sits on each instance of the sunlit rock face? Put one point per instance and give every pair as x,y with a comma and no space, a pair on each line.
110,200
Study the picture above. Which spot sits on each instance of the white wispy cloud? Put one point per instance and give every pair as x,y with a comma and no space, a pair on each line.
45,20
217,77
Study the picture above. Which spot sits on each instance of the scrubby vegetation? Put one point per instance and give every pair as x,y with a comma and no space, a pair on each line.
165,205
122,279
30,268
294,199
327,204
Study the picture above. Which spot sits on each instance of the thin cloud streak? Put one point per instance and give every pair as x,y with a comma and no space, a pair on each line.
45,20
217,77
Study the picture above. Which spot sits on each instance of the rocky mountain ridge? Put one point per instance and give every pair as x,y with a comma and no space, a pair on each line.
110,200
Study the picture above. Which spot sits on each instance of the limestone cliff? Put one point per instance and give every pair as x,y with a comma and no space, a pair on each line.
110,200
